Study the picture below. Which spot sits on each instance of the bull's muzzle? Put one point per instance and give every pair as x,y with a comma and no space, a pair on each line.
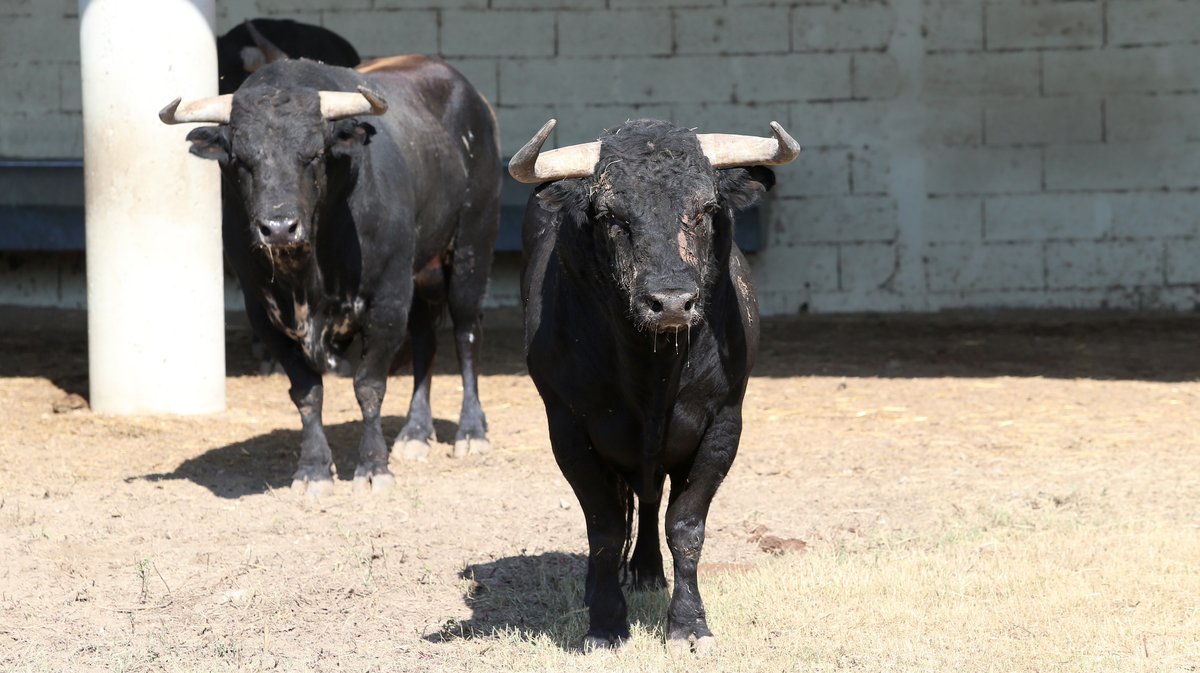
280,231
670,309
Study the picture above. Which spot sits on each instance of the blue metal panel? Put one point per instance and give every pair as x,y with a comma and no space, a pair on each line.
59,227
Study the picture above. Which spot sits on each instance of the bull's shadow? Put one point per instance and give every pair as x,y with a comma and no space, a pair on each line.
540,596
267,461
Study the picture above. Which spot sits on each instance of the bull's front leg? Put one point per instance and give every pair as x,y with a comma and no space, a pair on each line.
687,512
314,474
602,497
381,340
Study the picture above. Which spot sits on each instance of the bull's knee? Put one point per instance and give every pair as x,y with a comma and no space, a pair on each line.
685,538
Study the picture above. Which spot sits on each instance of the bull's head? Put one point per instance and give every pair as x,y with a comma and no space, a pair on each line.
282,149
660,202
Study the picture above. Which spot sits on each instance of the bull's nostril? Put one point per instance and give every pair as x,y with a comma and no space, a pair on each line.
264,230
687,306
656,306
292,229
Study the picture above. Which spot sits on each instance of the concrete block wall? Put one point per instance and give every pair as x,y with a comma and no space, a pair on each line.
958,153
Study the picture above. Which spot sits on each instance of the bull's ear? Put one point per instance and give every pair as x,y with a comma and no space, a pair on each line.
210,142
744,187
564,195
346,136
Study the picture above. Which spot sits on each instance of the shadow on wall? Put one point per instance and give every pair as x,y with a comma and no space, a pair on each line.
1071,345
266,462
541,596
53,344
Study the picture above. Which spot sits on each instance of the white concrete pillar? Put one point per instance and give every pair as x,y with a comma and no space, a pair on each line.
156,321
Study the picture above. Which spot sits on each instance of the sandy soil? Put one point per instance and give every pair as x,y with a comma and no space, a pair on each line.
155,543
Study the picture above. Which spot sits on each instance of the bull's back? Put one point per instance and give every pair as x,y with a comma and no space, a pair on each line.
448,142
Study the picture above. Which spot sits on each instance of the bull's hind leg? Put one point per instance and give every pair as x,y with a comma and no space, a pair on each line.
602,497
470,266
687,624
646,563
413,441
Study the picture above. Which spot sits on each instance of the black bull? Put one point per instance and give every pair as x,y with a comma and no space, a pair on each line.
641,328
349,225
252,44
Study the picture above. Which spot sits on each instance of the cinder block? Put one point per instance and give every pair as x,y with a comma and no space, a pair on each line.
877,76
547,4
70,84
1029,121
816,172
968,74
839,219
982,171
1123,70
962,267
1059,24
682,79
842,27
947,122
1142,117
618,4
796,268
1043,217
1122,166
518,124
948,219
482,73
1183,266
290,6
32,87
1152,22
40,38
41,135
953,25
839,123
542,81
584,123
10,8
376,34
237,13
953,122
732,31
748,119
469,32
430,4
866,266
614,33
687,79
1105,264
789,78
1155,215
870,170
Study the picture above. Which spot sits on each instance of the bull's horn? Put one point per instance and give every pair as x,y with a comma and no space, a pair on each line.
726,150
341,104
214,110
270,52
531,165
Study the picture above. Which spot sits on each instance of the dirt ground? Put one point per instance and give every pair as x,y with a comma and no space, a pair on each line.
1063,443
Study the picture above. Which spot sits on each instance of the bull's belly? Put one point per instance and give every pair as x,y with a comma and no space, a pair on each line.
618,437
